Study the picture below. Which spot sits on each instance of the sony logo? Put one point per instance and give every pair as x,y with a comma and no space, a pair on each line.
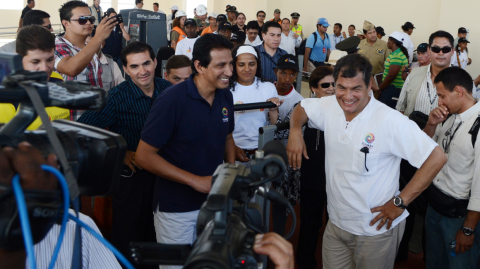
44,212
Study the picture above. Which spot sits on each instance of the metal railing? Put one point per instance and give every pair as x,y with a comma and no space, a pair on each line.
13,33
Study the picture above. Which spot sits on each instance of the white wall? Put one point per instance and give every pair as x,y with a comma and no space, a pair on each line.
427,15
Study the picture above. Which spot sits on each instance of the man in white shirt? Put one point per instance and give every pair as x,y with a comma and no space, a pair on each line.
290,40
407,42
453,214
364,144
337,36
185,46
155,8
252,30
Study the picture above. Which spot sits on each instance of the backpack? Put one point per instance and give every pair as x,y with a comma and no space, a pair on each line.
301,49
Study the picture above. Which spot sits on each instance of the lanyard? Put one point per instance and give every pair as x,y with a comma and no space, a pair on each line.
446,142
429,96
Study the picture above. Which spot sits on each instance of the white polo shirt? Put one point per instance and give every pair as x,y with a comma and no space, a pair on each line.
352,190
185,47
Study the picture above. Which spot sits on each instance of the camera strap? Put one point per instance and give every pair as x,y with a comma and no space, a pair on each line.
52,137
67,171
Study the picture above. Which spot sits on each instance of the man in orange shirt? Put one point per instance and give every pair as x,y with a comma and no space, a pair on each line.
276,16
212,19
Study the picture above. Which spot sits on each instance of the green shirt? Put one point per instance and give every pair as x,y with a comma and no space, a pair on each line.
396,58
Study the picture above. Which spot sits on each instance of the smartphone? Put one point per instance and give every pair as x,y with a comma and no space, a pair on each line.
118,17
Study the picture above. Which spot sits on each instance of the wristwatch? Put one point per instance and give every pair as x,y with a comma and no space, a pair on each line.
398,201
467,231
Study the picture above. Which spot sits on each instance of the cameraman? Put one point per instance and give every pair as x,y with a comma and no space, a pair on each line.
73,59
26,161
37,45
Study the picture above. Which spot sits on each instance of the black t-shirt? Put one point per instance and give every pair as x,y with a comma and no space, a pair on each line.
236,28
24,11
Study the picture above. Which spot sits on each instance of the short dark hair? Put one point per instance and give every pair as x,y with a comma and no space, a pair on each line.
109,11
29,1
286,19
440,33
318,74
405,28
155,4
176,62
204,46
34,17
66,10
339,25
241,13
34,37
351,25
261,11
349,66
138,2
454,76
136,47
270,24
252,25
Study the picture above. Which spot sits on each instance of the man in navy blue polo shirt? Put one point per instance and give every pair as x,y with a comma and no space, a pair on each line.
188,133
270,52
126,111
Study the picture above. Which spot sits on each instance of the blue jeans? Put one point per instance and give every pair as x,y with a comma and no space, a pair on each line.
441,231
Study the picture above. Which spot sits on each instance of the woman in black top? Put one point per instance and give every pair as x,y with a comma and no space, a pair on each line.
313,196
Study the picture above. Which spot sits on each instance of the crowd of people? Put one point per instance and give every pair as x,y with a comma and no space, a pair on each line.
389,131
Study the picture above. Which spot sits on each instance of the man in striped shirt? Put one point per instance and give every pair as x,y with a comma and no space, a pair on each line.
126,111
270,51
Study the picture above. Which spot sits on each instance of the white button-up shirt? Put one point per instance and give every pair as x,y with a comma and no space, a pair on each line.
334,40
461,173
289,43
352,190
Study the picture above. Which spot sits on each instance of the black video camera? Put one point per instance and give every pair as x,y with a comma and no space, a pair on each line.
92,156
228,221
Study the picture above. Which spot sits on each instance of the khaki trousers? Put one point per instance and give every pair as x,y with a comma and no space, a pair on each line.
342,249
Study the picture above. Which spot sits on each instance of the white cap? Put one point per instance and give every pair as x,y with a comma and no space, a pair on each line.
174,8
213,15
397,36
180,13
335,55
201,10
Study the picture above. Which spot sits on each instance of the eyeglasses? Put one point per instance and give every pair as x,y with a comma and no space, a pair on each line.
263,16
326,85
83,20
48,27
437,49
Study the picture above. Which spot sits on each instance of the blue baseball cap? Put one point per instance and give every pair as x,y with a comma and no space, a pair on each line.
323,22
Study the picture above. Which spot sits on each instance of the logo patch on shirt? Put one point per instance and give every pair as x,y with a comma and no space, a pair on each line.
225,114
189,49
380,50
369,138
239,112
388,59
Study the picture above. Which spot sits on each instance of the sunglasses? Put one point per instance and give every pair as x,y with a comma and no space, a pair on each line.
263,16
326,85
438,49
83,20
48,27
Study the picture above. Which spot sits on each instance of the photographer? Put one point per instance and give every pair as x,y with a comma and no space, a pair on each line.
73,59
126,111
26,161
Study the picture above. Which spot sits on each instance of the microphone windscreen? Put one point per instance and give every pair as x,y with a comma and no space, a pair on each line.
276,147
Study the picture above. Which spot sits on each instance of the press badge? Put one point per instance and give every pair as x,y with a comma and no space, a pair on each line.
324,50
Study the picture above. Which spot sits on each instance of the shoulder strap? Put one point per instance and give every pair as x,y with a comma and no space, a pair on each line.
449,115
458,59
315,37
474,130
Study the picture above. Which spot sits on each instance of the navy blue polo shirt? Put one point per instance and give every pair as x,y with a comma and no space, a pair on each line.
113,44
191,135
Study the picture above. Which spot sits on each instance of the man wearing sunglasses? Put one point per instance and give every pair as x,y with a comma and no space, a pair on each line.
453,214
32,17
73,58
